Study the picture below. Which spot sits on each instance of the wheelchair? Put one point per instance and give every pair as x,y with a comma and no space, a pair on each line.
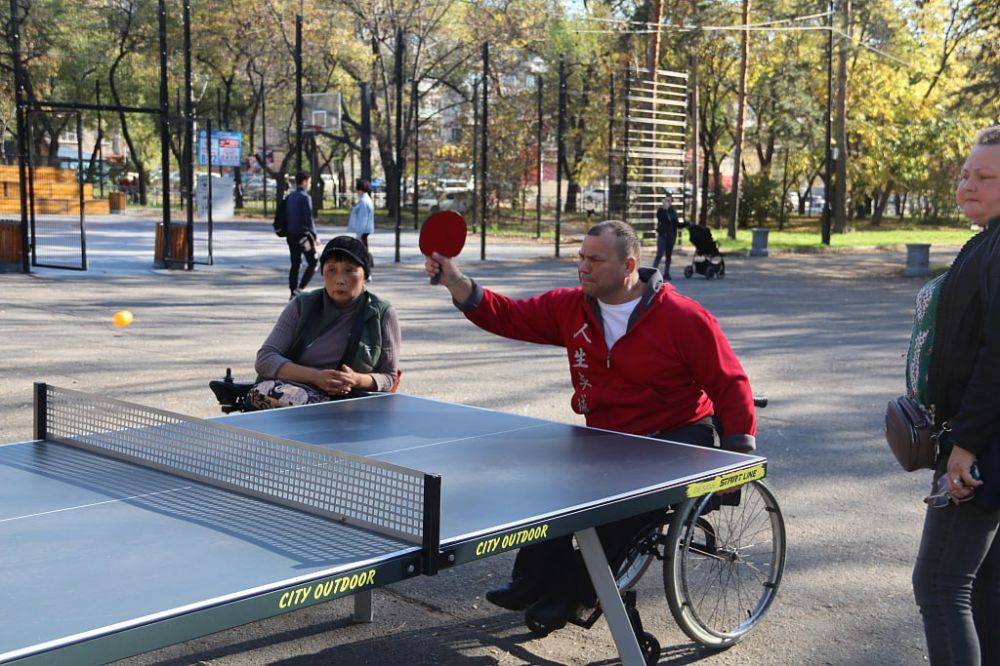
233,396
722,560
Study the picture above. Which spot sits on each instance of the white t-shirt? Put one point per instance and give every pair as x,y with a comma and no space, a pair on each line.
616,319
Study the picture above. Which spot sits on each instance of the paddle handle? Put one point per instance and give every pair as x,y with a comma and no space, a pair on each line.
436,278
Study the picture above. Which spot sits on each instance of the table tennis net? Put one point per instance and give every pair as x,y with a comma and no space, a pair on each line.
368,493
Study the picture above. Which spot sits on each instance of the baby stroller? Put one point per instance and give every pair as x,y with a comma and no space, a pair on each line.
707,258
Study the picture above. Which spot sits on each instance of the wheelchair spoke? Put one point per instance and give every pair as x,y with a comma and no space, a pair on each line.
727,565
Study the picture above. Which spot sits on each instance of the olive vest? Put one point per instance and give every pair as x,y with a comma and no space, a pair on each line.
364,347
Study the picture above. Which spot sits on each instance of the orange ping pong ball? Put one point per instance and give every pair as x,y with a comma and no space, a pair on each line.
122,318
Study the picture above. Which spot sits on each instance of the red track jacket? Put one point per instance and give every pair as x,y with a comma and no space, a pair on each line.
672,367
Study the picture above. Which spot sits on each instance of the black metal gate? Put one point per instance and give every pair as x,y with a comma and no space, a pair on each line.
56,192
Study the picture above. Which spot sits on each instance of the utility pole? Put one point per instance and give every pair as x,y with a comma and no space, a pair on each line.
840,203
695,126
827,216
298,92
611,142
625,141
263,138
366,133
538,159
22,130
398,76
476,184
164,127
695,141
560,147
415,104
188,144
100,148
484,152
734,207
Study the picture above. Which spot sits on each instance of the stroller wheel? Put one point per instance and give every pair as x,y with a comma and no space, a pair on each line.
710,273
722,272
688,272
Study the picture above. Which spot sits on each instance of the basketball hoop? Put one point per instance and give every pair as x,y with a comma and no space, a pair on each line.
321,112
311,129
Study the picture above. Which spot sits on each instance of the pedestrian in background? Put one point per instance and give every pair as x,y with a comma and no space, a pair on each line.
362,219
956,580
302,236
667,225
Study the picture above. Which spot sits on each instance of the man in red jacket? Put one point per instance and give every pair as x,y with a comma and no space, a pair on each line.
643,360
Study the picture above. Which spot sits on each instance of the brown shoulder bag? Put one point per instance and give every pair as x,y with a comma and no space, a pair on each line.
909,429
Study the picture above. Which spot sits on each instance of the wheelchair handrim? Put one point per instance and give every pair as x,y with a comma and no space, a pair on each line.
682,563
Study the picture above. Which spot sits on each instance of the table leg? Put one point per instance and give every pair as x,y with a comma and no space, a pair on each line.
364,609
610,598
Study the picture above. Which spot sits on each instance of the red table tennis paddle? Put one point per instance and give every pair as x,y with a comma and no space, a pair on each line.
444,232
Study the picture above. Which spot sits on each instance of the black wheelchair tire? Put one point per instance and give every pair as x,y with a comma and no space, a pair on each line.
689,518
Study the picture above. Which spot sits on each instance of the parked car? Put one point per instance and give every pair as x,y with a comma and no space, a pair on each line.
427,200
593,200
460,202
253,186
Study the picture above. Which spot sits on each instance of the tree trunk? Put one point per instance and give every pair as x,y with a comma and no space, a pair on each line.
703,209
123,120
840,194
806,193
572,190
716,191
741,98
653,55
881,201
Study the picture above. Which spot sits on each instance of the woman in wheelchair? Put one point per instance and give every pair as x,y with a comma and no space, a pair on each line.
330,342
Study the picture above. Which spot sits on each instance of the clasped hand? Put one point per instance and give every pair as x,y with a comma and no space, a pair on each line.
337,382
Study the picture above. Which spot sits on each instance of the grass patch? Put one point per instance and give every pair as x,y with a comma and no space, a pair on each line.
803,235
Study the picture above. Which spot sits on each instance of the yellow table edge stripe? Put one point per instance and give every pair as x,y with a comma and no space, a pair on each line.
726,481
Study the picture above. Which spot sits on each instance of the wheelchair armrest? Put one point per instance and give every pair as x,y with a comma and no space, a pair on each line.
229,393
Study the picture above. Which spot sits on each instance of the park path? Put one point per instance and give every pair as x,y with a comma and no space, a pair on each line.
822,335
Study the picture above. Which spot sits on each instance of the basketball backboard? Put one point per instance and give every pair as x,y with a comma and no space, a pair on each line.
321,111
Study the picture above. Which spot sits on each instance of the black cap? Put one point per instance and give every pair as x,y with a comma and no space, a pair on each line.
350,247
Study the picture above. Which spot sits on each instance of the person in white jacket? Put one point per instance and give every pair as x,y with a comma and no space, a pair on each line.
362,219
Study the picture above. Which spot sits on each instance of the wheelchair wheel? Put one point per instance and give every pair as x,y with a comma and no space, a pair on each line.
723,564
640,555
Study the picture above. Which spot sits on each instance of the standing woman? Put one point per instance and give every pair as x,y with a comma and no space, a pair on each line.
362,219
956,581
666,233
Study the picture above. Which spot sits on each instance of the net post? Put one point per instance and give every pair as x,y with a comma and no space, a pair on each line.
41,408
432,523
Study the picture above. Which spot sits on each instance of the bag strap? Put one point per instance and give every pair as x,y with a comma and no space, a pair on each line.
356,326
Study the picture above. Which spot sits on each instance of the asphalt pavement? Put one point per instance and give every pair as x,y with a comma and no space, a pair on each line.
823,336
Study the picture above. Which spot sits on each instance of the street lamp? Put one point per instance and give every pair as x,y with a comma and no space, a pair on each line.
538,67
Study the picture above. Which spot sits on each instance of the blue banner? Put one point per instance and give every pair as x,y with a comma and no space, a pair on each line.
227,148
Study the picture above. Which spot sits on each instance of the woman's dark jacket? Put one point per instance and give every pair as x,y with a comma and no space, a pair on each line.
666,221
964,378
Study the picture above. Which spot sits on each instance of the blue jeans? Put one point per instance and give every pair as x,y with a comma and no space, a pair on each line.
956,583
665,248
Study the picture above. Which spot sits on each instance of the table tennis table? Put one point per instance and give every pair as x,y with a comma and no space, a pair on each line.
126,528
